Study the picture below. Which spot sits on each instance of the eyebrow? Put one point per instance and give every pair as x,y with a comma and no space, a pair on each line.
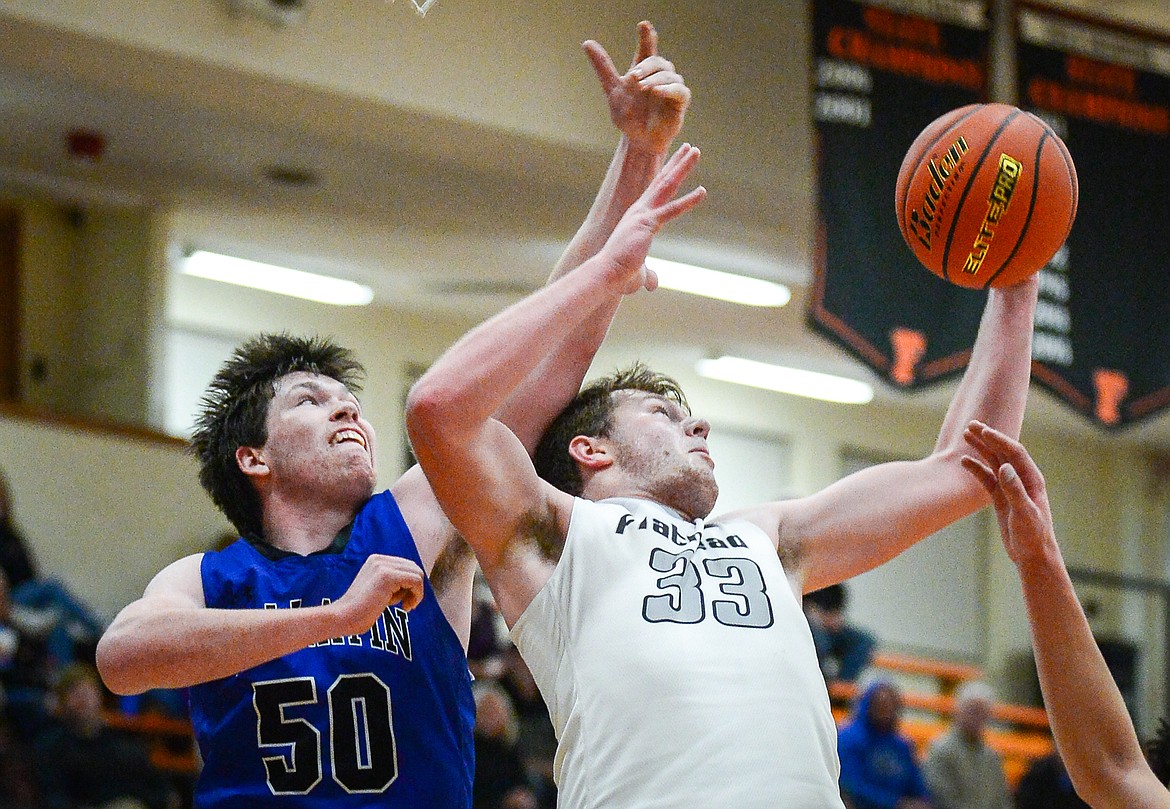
317,386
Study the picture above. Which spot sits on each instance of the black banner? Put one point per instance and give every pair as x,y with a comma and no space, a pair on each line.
1102,340
883,70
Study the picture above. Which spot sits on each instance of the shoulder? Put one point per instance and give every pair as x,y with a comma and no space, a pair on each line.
182,579
432,532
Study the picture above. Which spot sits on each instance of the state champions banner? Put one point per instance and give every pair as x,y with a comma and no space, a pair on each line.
1102,338
883,70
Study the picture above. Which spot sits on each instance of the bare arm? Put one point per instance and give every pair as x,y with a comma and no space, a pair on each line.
647,105
170,639
478,469
1092,728
873,515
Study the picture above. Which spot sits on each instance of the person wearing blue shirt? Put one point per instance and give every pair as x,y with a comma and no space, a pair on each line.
879,769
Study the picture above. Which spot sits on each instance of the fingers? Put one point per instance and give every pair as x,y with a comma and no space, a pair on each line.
410,596
981,471
679,206
1000,448
670,177
647,42
649,279
659,195
407,587
602,65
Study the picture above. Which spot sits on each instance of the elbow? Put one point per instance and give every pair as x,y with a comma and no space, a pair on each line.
121,674
426,408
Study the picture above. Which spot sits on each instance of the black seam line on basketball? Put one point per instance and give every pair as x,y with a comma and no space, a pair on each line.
1027,216
967,190
925,151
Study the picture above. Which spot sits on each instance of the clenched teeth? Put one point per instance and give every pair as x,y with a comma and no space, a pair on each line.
349,435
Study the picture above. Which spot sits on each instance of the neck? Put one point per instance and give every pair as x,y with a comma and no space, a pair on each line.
614,482
304,528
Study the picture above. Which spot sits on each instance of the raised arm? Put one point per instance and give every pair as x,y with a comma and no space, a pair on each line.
478,469
873,515
647,104
170,639
1090,724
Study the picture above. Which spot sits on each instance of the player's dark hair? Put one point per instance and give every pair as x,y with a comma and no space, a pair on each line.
234,410
590,414
828,598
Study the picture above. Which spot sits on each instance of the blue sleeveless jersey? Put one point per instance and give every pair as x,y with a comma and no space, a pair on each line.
382,718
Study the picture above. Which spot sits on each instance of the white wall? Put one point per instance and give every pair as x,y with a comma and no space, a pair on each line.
102,511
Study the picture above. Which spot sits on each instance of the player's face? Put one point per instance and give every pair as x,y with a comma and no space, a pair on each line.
317,437
663,450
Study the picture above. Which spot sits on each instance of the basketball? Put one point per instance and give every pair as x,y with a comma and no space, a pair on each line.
986,195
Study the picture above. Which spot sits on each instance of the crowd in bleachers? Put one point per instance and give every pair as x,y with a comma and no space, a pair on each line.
57,751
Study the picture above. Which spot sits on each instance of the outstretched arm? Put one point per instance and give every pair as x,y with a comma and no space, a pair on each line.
647,104
478,469
873,515
1092,728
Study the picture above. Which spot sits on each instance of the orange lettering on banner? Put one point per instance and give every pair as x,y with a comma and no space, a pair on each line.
1116,79
854,45
899,28
1134,115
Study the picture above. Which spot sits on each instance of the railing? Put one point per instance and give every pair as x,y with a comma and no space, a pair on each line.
1021,734
171,741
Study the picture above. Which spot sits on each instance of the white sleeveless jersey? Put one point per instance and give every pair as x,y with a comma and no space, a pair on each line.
678,667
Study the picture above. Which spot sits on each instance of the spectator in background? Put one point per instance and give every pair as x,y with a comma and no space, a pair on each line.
878,766
1046,785
15,558
43,605
844,650
537,742
501,781
961,771
17,784
486,643
26,671
80,762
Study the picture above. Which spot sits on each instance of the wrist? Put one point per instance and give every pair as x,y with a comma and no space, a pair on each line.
646,149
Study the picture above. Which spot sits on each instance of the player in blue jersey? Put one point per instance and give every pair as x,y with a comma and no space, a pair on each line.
325,648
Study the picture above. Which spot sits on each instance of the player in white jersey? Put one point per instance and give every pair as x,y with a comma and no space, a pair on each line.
668,685
672,655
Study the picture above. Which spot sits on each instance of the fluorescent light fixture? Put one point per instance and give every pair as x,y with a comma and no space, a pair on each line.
786,380
714,284
281,280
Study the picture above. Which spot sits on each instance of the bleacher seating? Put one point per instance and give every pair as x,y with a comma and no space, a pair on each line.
1020,734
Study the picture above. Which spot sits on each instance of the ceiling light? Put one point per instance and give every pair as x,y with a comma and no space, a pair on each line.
281,280
714,284
786,380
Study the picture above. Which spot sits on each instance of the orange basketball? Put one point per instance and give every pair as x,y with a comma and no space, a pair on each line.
986,195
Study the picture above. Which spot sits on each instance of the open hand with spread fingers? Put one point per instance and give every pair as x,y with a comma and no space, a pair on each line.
1017,489
630,242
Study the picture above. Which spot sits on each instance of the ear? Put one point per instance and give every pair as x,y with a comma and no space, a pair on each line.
251,461
591,453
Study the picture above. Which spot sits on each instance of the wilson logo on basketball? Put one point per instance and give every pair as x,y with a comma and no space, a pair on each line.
942,171
997,205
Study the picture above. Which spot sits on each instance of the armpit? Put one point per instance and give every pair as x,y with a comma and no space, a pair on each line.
452,563
542,532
